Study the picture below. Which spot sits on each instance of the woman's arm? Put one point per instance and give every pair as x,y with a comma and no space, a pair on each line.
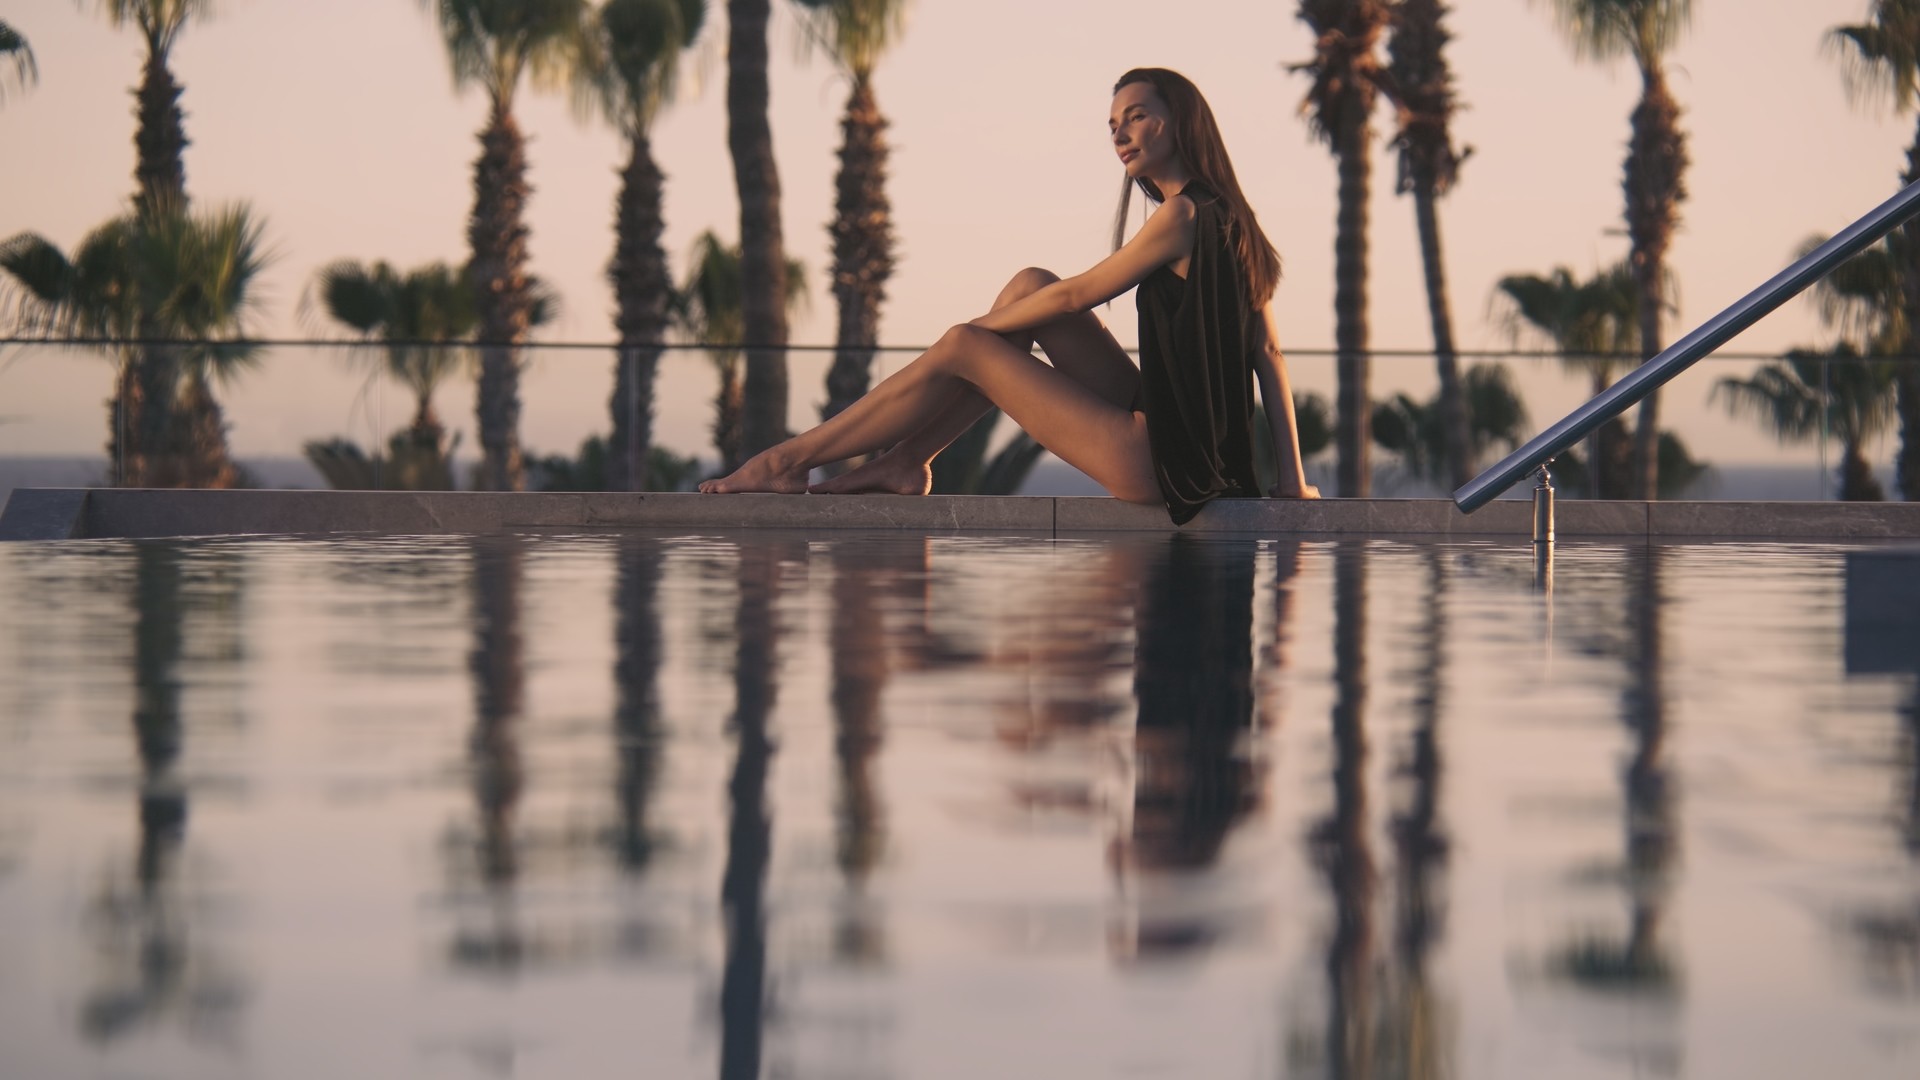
1166,237
1276,395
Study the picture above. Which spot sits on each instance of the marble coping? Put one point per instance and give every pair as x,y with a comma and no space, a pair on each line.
98,513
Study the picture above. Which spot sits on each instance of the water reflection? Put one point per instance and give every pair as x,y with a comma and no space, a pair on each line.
1193,772
863,577
1417,1020
743,907
496,941
1639,962
158,957
638,738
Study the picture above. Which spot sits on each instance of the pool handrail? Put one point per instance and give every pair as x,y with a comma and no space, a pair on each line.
1682,354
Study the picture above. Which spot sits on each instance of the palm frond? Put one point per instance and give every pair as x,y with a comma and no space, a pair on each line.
159,21
854,33
1880,58
494,43
630,58
1606,30
15,50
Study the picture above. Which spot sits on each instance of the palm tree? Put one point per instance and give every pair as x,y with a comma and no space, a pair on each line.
1813,394
1882,57
854,33
15,51
711,310
1347,75
160,138
764,292
420,321
1604,30
636,46
1429,166
1593,324
1838,392
167,274
494,43
1417,432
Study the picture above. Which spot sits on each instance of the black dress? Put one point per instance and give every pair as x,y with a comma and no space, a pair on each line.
1196,372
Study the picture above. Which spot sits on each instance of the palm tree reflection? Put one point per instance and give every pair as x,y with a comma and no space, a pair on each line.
1640,963
154,963
857,645
743,986
638,736
1342,848
497,668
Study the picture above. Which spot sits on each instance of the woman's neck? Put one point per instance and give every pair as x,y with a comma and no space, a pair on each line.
1172,181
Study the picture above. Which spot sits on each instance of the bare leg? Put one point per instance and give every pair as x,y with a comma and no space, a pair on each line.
1079,346
1106,441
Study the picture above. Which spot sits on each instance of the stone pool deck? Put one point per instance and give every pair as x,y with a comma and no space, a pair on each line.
99,513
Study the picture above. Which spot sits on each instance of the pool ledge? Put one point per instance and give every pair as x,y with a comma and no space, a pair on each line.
98,513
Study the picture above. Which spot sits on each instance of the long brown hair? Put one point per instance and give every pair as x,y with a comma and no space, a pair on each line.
1196,138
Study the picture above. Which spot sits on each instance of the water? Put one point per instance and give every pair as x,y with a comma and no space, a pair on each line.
899,807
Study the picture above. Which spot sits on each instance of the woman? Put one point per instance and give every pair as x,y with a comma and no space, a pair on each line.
1174,431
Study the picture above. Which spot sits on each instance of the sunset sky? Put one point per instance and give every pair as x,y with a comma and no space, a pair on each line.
338,121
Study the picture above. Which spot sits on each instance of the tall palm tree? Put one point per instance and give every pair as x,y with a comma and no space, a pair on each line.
635,49
16,53
764,292
494,43
854,33
1882,57
167,274
160,138
1347,74
1429,166
1654,184
1593,324
711,309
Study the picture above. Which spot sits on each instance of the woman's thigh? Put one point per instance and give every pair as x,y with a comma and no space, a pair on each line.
1079,345
1075,421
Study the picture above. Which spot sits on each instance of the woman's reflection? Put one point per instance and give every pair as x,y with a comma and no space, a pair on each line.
1193,763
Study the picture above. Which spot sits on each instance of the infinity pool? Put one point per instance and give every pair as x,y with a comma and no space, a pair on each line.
858,806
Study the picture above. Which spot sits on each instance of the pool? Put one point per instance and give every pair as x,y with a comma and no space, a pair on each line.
878,806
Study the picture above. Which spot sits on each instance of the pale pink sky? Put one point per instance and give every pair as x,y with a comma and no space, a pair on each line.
339,122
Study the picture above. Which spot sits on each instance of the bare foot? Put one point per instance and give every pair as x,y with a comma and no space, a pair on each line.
1307,491
763,472
888,474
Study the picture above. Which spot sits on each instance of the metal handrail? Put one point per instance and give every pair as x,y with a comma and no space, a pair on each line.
1682,354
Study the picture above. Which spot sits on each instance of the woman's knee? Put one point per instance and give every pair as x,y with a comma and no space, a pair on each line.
1027,282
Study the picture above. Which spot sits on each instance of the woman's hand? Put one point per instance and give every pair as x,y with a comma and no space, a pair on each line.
1306,491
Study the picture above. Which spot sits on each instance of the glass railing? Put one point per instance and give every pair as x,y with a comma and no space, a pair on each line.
315,415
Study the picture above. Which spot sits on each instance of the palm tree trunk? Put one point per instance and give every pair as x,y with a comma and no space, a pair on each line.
200,434
763,264
1654,187
498,237
728,406
124,417
1453,405
642,285
862,247
160,139
1351,144
1907,464
1857,482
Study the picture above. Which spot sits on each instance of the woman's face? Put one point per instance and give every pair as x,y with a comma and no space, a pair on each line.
1142,129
